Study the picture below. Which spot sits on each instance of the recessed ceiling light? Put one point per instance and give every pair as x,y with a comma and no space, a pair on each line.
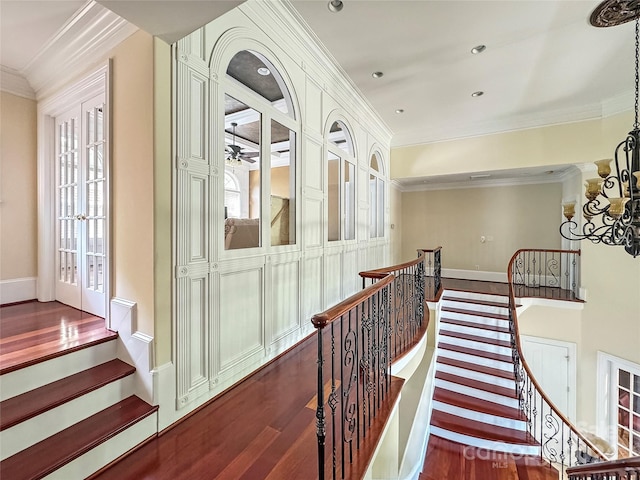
335,5
264,71
377,74
478,49
400,110
479,93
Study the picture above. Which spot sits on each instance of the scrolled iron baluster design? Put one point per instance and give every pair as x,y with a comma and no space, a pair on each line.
349,405
321,430
437,256
550,443
552,270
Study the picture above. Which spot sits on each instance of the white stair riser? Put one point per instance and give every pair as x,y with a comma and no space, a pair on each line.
494,322
485,347
483,297
477,393
485,362
476,307
481,417
29,378
36,429
492,445
478,332
479,376
108,451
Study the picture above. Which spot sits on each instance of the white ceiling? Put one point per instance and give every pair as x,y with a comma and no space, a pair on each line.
543,64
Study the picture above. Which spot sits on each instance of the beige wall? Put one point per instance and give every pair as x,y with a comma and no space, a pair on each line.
555,145
280,182
18,176
132,175
523,216
395,233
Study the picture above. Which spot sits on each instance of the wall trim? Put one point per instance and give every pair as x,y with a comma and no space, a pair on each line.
12,82
133,346
18,290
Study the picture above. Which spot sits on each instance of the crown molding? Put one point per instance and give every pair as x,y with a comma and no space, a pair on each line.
503,182
86,39
421,136
618,104
12,82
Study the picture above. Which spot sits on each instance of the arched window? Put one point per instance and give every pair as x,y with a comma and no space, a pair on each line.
232,199
260,140
341,176
376,197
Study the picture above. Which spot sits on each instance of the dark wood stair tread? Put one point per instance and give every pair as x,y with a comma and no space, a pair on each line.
482,326
476,404
487,387
485,303
478,353
27,405
447,459
453,423
52,453
474,338
463,311
478,368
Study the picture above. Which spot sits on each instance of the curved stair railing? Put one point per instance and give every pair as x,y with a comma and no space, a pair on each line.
625,469
358,339
562,443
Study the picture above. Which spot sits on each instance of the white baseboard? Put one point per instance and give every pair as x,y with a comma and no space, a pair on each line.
18,290
475,275
134,348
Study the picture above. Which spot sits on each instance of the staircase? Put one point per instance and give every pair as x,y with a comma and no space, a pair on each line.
68,416
477,429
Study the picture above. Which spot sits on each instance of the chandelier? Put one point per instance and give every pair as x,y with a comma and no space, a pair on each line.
612,209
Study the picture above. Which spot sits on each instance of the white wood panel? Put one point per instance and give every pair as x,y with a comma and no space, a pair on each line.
285,299
333,276
312,223
198,217
313,107
197,115
313,165
241,316
312,287
350,279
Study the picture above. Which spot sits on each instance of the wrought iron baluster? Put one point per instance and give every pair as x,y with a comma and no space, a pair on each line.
320,415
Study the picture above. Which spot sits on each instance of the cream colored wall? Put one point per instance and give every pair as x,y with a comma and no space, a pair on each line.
280,182
18,174
162,199
522,216
132,175
555,145
395,233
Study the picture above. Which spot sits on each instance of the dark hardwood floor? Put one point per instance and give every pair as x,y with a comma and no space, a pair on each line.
32,332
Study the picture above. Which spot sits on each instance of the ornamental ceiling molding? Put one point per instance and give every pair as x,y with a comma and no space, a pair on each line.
85,40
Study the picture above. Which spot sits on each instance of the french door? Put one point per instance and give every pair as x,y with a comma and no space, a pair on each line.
80,210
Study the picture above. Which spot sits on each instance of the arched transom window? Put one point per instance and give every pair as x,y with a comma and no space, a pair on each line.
341,176
260,131
376,197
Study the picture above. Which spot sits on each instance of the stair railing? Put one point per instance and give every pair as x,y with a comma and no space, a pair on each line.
562,444
358,339
624,469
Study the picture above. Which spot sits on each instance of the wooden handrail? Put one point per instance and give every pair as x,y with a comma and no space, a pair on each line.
612,467
518,346
381,272
321,320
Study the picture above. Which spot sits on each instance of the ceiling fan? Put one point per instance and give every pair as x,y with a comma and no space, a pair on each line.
234,152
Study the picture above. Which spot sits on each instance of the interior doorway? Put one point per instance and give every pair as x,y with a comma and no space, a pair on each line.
73,178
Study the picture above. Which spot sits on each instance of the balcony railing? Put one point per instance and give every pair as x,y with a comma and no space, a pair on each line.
358,339
530,271
625,469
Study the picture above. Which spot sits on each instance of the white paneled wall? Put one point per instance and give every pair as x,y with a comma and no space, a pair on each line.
237,309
